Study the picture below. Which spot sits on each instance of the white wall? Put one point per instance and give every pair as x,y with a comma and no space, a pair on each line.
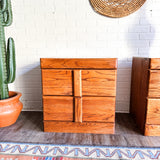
70,28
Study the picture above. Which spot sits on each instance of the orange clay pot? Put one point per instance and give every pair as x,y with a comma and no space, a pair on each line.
10,109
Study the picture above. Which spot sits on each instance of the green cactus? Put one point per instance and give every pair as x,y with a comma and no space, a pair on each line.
7,54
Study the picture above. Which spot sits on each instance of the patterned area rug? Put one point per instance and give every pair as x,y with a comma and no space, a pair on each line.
26,151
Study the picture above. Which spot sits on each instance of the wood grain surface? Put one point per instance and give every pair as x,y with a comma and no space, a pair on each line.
77,83
77,90
99,82
98,109
139,90
58,108
153,111
90,63
154,83
152,130
145,95
73,127
78,109
154,63
57,82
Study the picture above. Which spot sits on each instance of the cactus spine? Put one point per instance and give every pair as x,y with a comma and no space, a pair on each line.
7,54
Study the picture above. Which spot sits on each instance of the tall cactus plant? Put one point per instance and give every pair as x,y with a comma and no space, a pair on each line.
7,54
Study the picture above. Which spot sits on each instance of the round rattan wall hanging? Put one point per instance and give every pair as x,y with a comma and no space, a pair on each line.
116,8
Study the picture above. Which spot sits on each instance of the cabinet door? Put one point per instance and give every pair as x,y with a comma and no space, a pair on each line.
155,63
98,109
154,83
99,82
57,82
58,108
153,111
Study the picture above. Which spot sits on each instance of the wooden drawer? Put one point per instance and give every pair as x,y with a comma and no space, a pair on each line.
155,63
93,109
153,111
99,82
57,82
152,130
98,109
94,82
154,83
58,108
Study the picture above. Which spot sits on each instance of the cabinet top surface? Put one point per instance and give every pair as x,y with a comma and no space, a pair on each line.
79,63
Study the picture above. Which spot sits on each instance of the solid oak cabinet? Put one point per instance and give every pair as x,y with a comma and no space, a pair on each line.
79,95
145,94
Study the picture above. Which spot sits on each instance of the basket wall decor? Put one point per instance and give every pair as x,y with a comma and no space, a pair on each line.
116,8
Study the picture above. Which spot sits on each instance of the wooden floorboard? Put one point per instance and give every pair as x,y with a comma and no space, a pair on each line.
29,128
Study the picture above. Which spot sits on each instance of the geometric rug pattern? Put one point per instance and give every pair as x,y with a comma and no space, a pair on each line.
28,151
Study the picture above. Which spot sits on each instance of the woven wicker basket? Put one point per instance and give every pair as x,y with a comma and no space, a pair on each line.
116,8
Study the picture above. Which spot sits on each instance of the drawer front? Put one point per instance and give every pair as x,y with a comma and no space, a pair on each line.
99,82
154,83
58,108
152,130
98,109
155,63
57,82
153,111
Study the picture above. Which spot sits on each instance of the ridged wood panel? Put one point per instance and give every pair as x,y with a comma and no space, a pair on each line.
153,111
57,82
152,130
89,63
139,90
59,108
98,109
155,63
154,84
73,127
99,82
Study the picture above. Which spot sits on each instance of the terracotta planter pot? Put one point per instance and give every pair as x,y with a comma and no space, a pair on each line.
10,109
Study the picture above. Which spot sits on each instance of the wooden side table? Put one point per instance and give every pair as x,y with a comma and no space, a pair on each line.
79,95
145,95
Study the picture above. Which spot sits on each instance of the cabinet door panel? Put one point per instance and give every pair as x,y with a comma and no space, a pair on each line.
154,83
99,82
98,109
58,108
152,130
153,111
155,63
57,82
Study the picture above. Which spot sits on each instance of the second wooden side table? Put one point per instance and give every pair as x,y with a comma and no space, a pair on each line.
145,95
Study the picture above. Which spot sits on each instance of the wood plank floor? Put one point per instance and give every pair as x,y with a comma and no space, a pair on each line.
29,128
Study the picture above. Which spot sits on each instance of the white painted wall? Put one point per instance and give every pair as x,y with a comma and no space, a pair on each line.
71,29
